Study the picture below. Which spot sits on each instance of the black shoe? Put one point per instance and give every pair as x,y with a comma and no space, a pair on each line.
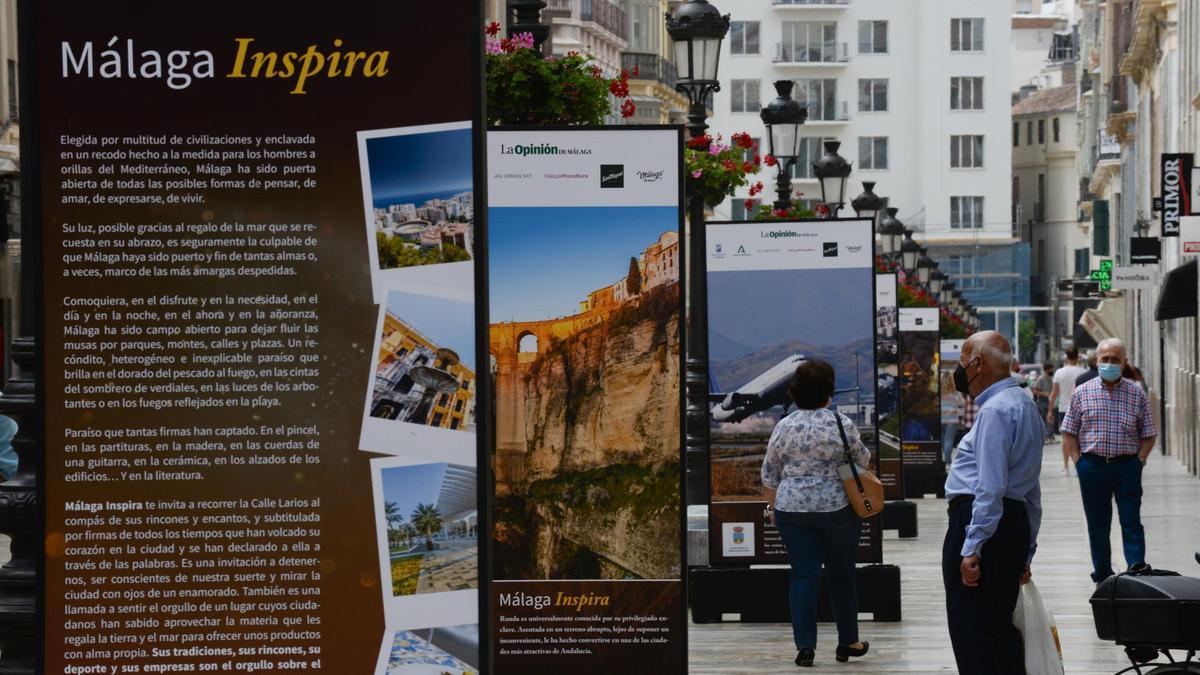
844,653
804,657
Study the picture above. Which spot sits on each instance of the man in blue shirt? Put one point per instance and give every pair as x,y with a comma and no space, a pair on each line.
995,510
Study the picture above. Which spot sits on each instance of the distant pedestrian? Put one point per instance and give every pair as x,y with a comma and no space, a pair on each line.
1042,386
1109,432
995,511
810,508
1092,372
1060,397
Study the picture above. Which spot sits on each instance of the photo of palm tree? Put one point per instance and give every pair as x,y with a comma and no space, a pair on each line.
432,527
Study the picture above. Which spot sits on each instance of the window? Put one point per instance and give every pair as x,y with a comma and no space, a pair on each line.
811,150
966,93
740,212
645,29
744,96
966,35
458,405
821,96
1016,134
1083,262
437,420
1041,132
808,42
873,95
966,152
454,423
743,37
1029,132
966,212
1016,199
14,110
1055,126
872,152
872,37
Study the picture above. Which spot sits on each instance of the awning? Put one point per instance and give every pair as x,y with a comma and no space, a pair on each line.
1177,297
1105,321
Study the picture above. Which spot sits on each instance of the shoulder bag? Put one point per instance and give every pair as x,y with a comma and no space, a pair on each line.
863,488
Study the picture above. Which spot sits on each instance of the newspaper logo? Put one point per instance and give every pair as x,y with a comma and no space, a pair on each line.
612,175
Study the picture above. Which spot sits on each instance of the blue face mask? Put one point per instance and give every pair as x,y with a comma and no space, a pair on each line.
1109,372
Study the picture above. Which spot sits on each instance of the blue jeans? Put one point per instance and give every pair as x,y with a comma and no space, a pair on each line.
1100,483
949,431
813,538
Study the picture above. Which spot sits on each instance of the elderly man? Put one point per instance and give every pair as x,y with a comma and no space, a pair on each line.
995,510
1109,432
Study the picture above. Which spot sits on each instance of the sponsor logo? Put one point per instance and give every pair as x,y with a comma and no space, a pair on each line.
720,248
829,249
742,250
530,149
1191,247
739,534
854,249
918,321
612,175
650,176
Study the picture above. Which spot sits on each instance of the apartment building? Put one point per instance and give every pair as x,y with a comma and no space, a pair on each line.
918,94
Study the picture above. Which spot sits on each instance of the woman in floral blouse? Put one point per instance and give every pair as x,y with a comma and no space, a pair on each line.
811,510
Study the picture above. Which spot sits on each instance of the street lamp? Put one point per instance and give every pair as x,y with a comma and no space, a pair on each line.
868,204
924,266
783,118
832,170
909,250
697,28
947,294
526,17
891,233
935,283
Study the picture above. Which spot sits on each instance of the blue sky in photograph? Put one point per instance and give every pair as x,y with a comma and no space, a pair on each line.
415,167
544,260
449,323
408,486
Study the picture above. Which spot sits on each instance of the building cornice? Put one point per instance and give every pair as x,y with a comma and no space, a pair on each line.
1120,126
1143,45
1103,175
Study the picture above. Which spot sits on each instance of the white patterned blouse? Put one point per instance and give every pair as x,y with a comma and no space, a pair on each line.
803,455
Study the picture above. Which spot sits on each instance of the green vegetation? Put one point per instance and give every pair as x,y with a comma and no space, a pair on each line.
427,519
633,280
645,490
395,252
405,574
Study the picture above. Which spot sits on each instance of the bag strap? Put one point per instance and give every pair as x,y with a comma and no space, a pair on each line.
849,457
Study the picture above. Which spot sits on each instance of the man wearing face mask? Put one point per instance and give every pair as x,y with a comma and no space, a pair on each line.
1109,433
995,510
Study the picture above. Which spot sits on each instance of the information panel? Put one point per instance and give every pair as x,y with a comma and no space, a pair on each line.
887,402
585,299
780,293
227,215
920,401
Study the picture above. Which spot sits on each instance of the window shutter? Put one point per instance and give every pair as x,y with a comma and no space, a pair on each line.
1100,226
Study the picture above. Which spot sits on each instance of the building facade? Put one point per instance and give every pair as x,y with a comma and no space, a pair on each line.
917,92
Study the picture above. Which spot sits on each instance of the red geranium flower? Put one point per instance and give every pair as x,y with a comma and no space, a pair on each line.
492,28
770,160
628,108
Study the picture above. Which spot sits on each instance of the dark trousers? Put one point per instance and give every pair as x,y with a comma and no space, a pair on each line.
1100,483
810,539
980,618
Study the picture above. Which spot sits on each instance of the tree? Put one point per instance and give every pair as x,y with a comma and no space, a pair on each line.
633,281
1028,341
427,520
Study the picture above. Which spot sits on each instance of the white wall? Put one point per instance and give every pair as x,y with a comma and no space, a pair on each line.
919,121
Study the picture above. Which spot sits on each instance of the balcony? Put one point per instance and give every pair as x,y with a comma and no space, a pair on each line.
828,54
811,4
605,14
828,113
649,67
556,9
1118,95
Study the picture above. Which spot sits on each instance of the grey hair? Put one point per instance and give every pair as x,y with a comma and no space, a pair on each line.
1112,342
1001,359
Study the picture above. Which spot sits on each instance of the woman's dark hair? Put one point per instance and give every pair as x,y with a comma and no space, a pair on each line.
812,384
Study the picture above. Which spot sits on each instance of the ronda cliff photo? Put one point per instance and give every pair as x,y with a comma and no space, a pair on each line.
586,353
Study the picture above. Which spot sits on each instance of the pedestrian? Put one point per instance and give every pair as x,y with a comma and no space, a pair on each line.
1060,398
1092,371
1109,432
1042,386
951,418
810,508
995,511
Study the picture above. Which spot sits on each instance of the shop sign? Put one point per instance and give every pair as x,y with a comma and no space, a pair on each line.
1175,193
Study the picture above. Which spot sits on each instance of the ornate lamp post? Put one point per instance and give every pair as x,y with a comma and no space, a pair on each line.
935,282
924,267
868,204
783,118
525,16
909,251
697,28
891,234
832,170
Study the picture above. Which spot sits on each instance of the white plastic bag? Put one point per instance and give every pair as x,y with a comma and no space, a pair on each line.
1043,653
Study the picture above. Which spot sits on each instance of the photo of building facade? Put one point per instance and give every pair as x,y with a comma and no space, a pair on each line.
420,382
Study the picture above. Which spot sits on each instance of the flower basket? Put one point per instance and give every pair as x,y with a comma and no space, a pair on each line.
716,169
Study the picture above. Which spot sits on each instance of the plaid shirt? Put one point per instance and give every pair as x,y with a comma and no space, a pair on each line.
967,412
1109,422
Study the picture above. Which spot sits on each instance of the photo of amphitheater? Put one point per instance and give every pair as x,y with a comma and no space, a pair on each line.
585,338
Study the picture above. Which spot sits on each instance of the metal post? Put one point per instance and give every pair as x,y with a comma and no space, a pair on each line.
526,17
783,186
697,352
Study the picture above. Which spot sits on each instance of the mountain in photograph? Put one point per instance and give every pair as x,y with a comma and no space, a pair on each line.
730,374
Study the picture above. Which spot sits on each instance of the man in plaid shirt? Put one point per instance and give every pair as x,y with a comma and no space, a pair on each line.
1109,432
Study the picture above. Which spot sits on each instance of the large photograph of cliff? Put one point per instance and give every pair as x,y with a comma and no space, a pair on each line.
585,349
764,323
